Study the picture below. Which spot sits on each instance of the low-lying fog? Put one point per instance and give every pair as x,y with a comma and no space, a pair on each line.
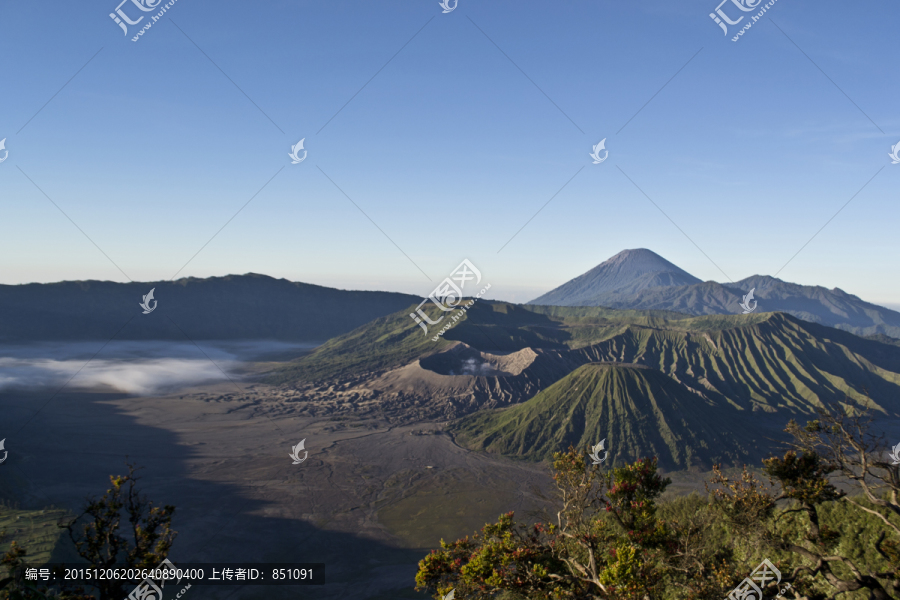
134,367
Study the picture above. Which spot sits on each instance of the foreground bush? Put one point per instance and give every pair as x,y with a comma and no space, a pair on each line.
613,540
122,527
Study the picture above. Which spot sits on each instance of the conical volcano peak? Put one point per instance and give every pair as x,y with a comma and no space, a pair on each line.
638,261
628,272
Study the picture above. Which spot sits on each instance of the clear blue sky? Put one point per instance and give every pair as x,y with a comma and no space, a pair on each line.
450,149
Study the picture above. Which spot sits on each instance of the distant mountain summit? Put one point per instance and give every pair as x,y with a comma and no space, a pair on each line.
643,280
628,272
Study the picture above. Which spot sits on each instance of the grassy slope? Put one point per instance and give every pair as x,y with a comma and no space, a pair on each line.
639,411
773,361
384,343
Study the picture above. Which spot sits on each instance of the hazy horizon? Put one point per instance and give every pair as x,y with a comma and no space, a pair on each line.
514,294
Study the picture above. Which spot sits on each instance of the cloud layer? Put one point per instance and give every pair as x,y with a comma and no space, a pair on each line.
140,368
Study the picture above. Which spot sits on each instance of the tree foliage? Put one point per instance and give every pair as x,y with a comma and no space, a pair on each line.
613,539
122,528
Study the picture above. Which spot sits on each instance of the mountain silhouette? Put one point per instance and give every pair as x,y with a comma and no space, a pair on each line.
217,308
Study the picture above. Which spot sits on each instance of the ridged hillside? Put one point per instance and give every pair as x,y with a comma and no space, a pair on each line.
529,381
757,363
776,363
700,391
638,410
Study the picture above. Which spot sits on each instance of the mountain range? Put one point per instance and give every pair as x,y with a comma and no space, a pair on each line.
642,280
685,381
256,306
527,381
217,308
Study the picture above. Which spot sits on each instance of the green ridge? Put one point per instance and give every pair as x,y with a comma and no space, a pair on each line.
638,410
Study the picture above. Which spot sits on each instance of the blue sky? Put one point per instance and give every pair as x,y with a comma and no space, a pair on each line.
482,117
